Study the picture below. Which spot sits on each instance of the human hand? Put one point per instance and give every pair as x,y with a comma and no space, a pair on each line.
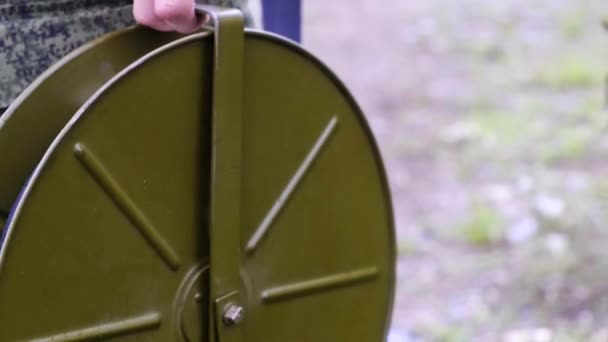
167,15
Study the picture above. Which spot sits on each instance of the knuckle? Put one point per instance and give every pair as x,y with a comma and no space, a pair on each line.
144,18
173,9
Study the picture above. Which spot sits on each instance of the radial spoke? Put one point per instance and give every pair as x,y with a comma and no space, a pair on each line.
288,191
100,331
318,284
127,206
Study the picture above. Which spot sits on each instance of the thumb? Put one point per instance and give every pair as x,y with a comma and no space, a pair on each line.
178,14
143,12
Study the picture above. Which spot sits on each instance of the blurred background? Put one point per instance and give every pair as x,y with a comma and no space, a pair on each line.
491,119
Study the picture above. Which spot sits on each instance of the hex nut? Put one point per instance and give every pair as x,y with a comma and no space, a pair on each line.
233,314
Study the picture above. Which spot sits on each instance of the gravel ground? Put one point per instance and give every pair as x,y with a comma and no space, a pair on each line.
490,116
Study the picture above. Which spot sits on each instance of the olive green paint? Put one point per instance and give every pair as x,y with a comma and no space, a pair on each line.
33,120
75,261
80,256
225,167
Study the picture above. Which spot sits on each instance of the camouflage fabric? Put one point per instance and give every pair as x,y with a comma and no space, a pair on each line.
36,33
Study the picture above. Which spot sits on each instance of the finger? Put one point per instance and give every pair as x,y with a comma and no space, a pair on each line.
178,14
144,14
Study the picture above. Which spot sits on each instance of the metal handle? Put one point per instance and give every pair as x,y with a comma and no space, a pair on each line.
225,196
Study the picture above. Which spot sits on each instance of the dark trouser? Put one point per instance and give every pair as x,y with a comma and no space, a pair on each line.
283,17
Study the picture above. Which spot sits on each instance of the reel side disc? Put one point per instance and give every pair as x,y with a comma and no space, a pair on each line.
33,120
317,231
110,238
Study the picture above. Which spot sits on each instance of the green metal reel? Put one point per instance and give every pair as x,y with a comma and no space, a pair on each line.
222,187
30,124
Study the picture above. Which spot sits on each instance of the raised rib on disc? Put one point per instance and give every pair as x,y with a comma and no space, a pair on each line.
122,200
344,235
107,330
33,120
281,201
311,286
69,252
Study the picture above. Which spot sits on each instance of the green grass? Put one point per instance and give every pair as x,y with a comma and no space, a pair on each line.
573,25
570,73
448,332
504,127
569,143
535,135
484,227
505,135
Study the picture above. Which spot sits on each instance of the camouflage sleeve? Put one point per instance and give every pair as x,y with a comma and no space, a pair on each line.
35,34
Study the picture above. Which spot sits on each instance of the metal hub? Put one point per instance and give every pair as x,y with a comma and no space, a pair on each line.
191,302
233,314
